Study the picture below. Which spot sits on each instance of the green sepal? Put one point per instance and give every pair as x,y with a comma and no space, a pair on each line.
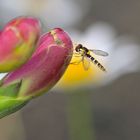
10,90
9,105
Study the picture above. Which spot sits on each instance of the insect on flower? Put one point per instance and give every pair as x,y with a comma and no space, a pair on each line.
86,57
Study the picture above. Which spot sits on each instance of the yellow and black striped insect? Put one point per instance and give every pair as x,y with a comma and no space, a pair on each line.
85,53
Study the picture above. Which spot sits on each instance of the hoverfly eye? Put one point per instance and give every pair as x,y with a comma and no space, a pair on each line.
80,46
77,49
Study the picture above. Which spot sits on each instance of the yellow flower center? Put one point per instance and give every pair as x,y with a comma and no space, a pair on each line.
76,75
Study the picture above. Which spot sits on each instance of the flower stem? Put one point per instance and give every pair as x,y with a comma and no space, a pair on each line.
80,118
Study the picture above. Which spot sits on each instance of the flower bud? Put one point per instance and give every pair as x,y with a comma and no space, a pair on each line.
17,42
43,70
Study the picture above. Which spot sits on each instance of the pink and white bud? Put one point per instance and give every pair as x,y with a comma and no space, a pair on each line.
17,42
45,67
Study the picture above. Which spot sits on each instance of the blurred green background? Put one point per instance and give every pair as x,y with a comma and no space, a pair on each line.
107,112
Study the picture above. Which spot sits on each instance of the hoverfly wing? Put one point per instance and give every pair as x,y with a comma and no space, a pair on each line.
99,52
86,63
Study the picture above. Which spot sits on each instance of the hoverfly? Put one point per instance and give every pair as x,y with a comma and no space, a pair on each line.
85,53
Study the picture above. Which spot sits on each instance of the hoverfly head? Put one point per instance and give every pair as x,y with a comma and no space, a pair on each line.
78,48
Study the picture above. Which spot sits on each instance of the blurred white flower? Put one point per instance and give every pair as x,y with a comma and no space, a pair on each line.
2,75
124,53
62,13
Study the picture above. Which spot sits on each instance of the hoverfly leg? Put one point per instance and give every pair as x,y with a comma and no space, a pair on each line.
76,62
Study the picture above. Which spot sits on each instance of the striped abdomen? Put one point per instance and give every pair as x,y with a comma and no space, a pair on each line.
96,62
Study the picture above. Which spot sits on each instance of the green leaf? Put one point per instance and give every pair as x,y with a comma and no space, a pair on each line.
9,105
10,90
